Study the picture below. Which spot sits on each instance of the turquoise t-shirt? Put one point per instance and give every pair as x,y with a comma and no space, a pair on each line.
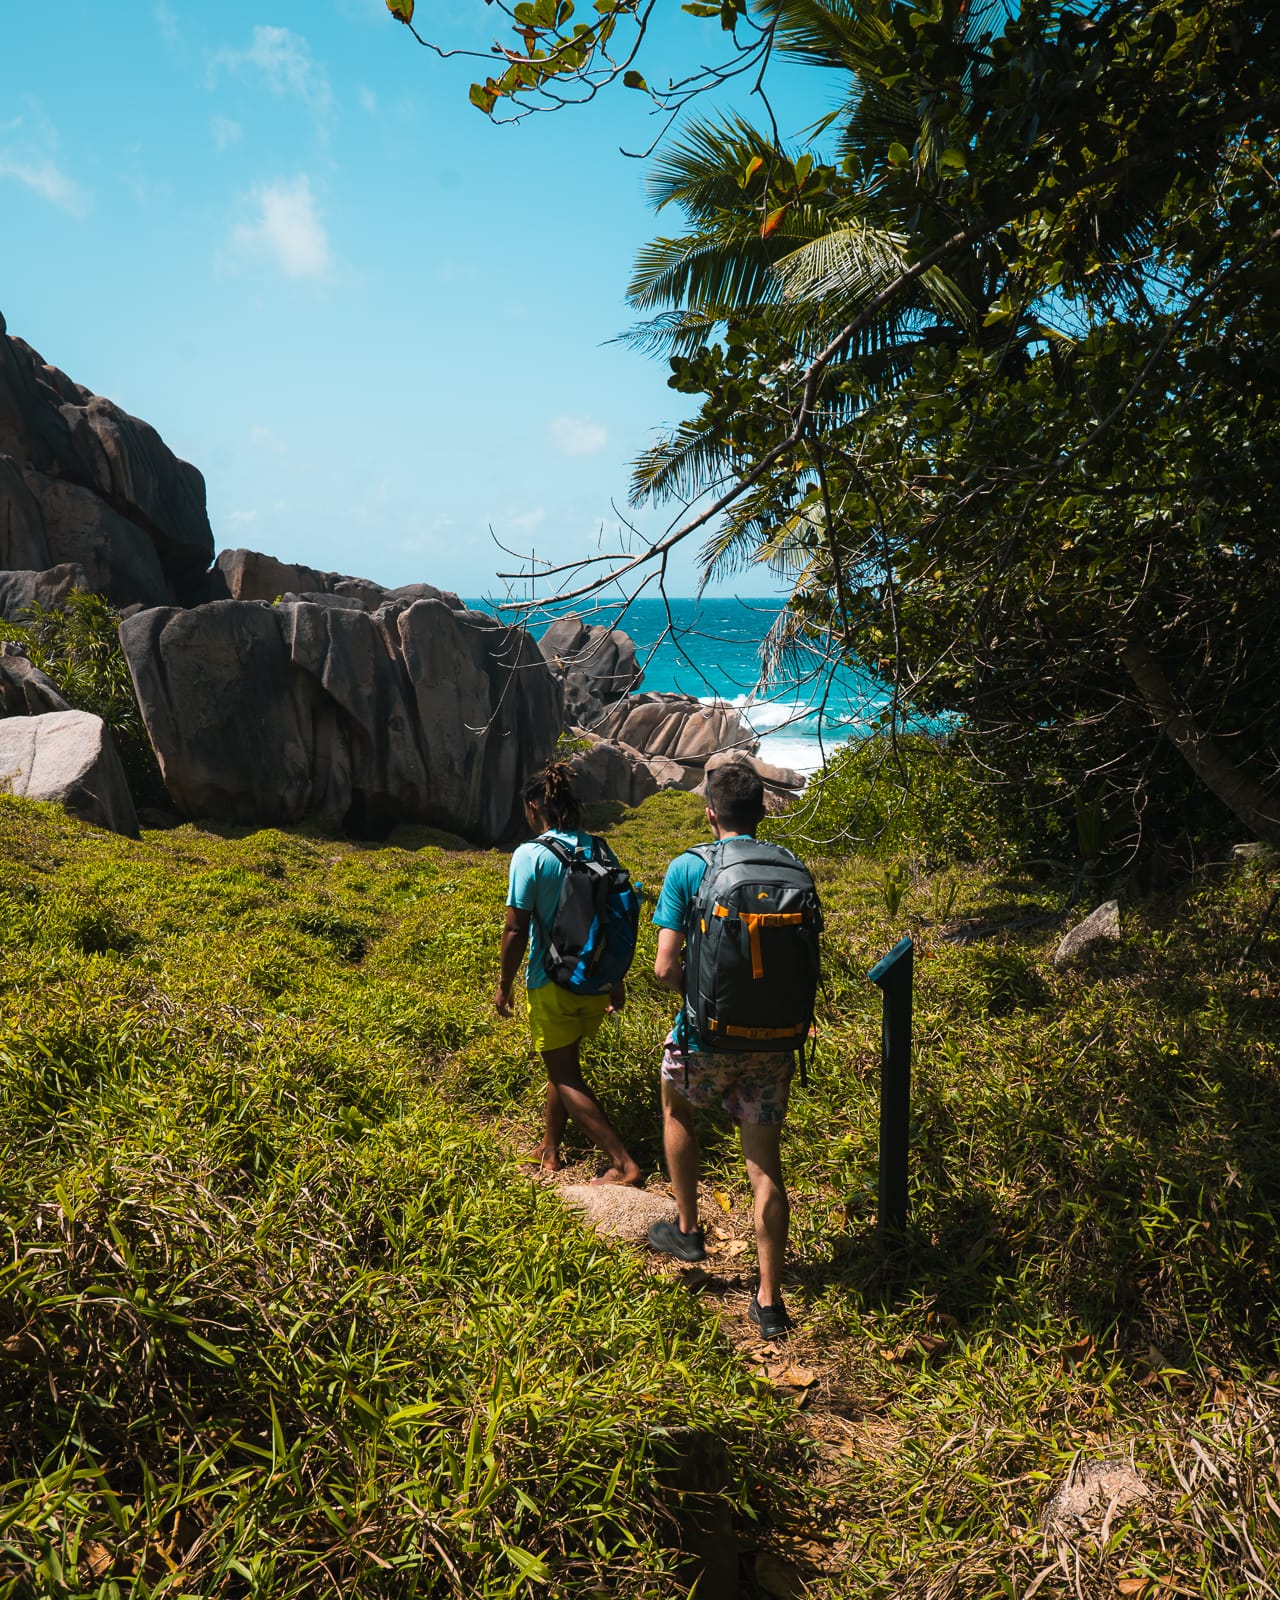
683,879
534,885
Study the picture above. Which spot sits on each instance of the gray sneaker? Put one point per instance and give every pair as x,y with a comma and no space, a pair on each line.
666,1237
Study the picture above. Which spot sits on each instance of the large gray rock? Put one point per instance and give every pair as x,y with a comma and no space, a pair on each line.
678,728
413,713
1099,927
55,431
23,546
618,1211
21,592
80,528
25,691
596,665
610,772
251,575
67,757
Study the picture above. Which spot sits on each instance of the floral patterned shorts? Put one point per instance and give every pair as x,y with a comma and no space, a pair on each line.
752,1086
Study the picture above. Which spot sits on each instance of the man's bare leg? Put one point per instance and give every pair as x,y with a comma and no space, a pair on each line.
564,1074
680,1142
761,1149
554,1118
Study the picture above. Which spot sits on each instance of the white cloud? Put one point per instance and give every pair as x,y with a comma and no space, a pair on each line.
225,131
577,436
30,157
283,60
237,519
286,230
526,521
166,21
46,178
368,100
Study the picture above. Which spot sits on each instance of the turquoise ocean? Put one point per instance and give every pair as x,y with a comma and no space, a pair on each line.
711,649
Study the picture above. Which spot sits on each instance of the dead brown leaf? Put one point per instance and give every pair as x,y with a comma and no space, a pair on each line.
96,1560
1074,1354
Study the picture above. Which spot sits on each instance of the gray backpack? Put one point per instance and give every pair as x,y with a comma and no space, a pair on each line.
752,948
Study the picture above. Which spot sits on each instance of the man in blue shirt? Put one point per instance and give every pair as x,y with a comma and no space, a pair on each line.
558,1020
751,1086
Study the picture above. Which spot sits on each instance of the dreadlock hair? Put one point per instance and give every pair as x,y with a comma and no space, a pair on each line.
736,795
551,791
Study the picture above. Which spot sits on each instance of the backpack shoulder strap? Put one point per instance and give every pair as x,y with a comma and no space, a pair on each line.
560,851
602,851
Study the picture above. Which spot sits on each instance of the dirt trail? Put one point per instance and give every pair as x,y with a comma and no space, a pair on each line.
794,1560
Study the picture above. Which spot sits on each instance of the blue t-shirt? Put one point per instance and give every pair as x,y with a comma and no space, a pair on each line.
534,885
683,879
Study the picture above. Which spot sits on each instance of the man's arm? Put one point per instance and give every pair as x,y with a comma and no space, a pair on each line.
515,936
668,968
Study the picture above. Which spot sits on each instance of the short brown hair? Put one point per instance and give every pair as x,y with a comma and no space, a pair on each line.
735,792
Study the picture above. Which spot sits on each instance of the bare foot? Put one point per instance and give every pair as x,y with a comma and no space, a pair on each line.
628,1177
548,1160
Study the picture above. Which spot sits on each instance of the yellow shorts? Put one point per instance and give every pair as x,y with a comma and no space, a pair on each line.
557,1017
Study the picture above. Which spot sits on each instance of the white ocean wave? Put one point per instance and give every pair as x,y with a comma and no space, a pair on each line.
801,755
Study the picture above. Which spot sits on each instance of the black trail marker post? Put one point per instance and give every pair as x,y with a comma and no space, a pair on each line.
892,975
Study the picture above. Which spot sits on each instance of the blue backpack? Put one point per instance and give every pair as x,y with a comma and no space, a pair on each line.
592,939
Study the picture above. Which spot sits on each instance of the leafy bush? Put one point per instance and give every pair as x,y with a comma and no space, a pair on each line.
78,645
928,797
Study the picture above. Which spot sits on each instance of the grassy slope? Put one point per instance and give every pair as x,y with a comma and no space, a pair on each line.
255,1218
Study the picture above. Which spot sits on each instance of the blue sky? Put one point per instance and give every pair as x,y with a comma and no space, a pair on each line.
379,324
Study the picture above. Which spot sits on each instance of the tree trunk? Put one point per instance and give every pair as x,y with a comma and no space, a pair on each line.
1259,811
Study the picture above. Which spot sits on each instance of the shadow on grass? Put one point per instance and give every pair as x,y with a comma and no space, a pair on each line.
1142,1210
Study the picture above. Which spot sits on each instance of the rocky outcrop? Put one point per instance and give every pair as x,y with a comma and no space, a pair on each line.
25,691
678,728
22,592
67,757
596,665
604,771
83,483
250,575
359,720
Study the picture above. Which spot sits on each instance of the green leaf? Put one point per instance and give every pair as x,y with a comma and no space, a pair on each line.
483,96
696,10
401,10
216,1351
530,1567
952,160
634,80
413,1412
899,155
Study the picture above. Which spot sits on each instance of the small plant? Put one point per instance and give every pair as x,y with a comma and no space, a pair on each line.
896,884
945,889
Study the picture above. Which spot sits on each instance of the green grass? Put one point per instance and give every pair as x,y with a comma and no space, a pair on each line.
280,1316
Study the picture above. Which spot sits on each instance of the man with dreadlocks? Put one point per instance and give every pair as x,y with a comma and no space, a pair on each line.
558,1020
